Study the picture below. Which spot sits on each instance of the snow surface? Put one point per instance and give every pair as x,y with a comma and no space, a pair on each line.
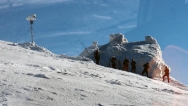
37,77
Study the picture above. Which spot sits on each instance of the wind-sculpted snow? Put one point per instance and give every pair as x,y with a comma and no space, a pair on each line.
141,51
34,47
74,57
33,78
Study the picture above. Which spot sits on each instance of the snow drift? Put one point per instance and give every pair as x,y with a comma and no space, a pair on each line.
141,51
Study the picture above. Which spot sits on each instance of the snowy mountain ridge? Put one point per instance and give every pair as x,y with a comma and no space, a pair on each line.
35,78
35,47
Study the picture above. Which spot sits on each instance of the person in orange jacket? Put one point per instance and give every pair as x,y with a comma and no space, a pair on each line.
125,64
166,73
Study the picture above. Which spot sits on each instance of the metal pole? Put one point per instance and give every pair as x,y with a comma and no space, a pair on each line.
32,33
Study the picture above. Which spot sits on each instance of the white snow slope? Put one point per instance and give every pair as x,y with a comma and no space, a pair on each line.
32,77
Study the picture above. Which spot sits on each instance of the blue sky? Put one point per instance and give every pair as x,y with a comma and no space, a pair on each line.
63,26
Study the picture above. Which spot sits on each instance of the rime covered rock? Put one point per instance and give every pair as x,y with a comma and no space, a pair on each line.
150,39
141,51
88,51
118,38
35,47
95,43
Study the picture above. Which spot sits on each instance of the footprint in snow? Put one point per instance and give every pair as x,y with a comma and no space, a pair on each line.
52,68
5,105
5,93
83,95
27,89
33,65
79,89
167,91
41,76
18,92
170,91
30,74
116,82
65,73
3,99
16,73
54,93
100,104
37,89
2,70
29,99
157,89
49,98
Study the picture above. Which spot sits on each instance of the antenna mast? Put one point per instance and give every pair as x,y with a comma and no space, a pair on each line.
31,22
31,18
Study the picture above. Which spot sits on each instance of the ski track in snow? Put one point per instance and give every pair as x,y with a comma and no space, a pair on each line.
35,78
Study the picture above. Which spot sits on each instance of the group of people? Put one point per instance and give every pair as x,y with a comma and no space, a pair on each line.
125,67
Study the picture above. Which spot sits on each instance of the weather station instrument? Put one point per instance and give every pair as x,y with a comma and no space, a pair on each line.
31,18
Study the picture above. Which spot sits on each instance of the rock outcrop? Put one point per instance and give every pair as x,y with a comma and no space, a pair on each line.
141,51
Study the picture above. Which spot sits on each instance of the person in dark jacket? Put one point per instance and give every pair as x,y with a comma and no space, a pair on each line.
133,66
113,61
146,67
119,65
166,73
125,64
97,56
